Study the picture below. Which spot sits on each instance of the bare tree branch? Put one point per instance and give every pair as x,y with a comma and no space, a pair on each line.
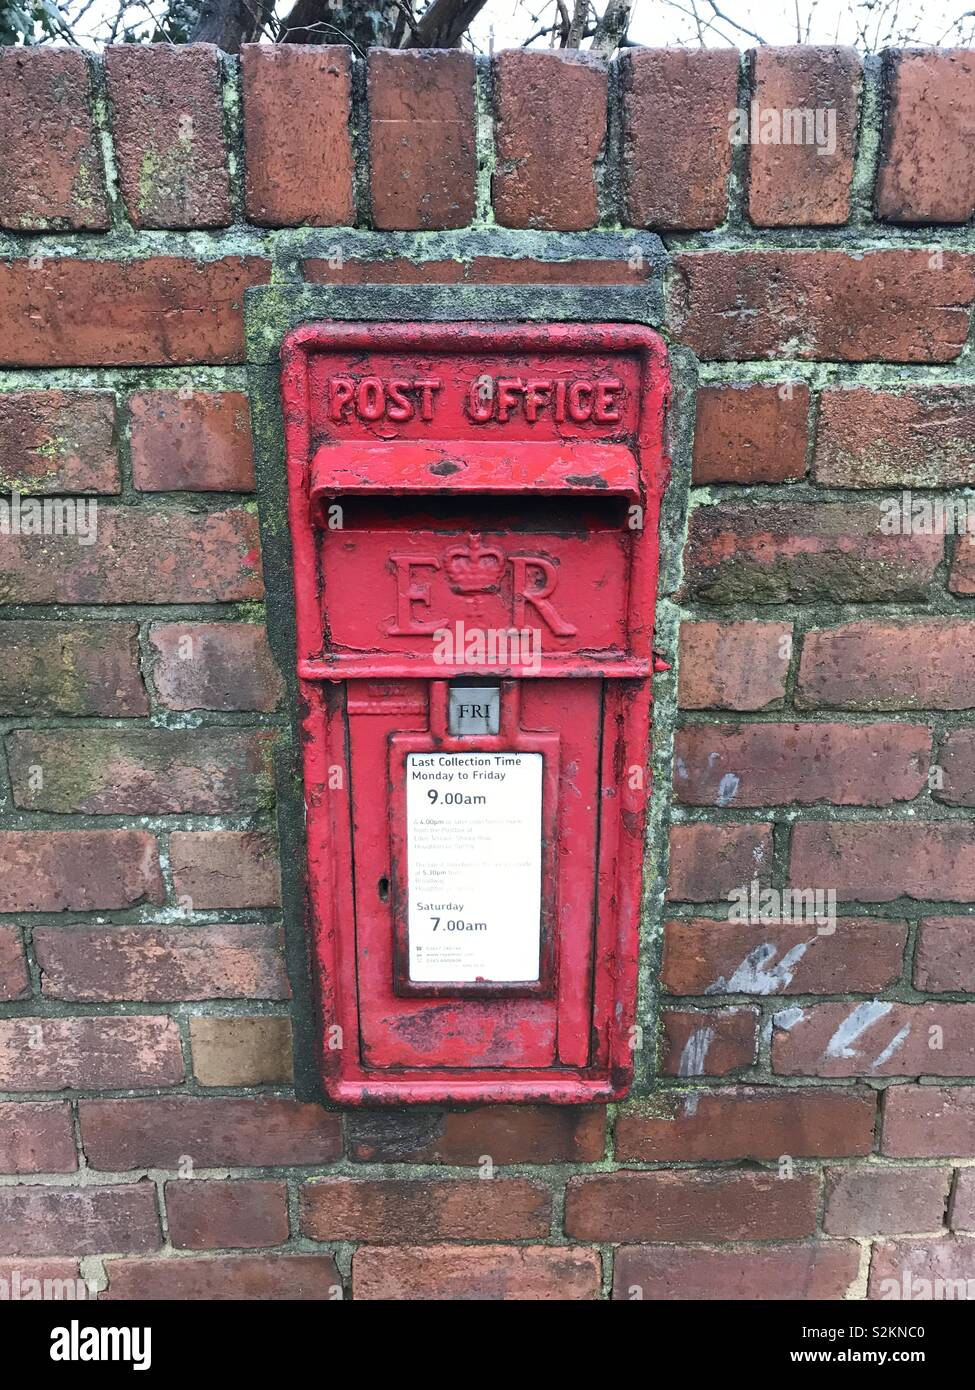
611,28
229,23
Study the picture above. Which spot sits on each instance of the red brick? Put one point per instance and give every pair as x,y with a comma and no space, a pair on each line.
702,956
760,1273
14,980
224,868
708,861
929,1121
877,1201
922,436
926,169
293,1278
226,1215
803,183
164,311
167,123
676,104
506,1133
78,1220
215,1131
887,306
145,772
878,861
297,108
690,1205
242,1051
550,114
98,1053
37,1137
58,441
392,1211
221,666
957,762
875,1038
201,443
962,577
71,668
741,666
537,1273
161,964
781,764
676,1126
140,556
695,1043
751,433
50,1280
923,1269
924,663
961,1212
477,270
422,151
77,870
780,552
945,955
45,113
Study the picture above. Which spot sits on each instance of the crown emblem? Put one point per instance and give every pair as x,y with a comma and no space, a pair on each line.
473,568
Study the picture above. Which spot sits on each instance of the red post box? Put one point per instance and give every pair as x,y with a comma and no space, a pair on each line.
474,513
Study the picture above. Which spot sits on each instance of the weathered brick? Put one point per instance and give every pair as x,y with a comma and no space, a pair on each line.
712,1043
803,178
161,964
961,1211
921,436
167,123
708,861
392,1212
139,556
957,762
780,552
923,1269
945,955
97,1053
220,666
887,306
740,666
241,1051
926,169
550,114
45,113
875,1038
166,310
507,1133
537,1273
781,764
690,1205
249,1277
885,1201
479,270
676,104
929,1121
760,1273
923,663
217,1131
78,1220
226,1215
879,861
37,1137
14,981
58,441
751,433
77,870
297,109
961,580
422,151
224,868
200,443
71,668
146,772
742,1122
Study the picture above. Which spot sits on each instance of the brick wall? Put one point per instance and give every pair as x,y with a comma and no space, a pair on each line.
804,1119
